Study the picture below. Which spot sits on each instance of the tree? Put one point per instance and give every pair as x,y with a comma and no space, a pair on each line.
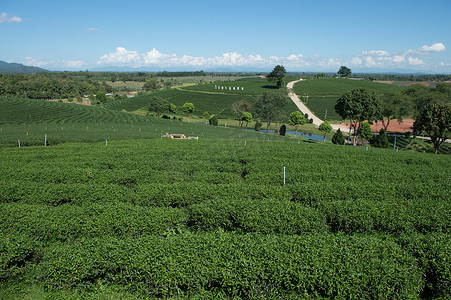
246,117
267,105
101,97
365,131
344,71
188,108
158,105
296,118
357,106
393,106
325,128
435,120
206,115
258,125
92,99
151,85
239,108
338,138
382,140
282,130
173,108
213,120
277,75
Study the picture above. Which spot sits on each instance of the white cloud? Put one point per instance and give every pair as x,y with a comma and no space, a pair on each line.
230,59
425,49
121,56
31,61
356,61
375,53
4,17
93,29
385,59
73,63
415,61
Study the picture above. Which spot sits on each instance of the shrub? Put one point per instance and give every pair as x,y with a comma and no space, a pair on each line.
382,140
283,130
258,125
237,266
365,131
338,138
213,120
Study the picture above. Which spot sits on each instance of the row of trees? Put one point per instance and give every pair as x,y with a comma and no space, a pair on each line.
41,87
430,107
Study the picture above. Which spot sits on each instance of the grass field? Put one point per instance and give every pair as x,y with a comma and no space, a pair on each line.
324,92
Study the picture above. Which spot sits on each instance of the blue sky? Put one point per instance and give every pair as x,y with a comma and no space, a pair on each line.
193,35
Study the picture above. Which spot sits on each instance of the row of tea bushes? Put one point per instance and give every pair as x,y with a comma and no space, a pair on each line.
246,266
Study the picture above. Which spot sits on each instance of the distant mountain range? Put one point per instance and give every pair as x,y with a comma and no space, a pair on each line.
15,68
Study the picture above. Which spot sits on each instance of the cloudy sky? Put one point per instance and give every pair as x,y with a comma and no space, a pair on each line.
302,35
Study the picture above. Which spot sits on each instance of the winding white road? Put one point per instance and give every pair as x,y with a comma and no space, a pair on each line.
316,121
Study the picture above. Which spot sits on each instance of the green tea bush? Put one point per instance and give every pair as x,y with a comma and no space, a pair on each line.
245,266
67,223
263,215
18,254
433,252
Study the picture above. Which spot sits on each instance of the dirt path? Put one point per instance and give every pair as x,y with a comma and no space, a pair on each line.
316,121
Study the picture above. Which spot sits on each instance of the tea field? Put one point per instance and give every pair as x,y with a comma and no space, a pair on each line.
324,92
206,98
28,121
160,218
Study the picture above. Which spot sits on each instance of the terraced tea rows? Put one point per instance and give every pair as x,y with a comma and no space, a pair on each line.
28,121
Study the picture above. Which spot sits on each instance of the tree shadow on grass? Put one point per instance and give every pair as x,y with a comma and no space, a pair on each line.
271,87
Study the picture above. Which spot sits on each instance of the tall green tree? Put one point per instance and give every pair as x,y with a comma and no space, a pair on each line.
435,120
325,128
357,106
188,108
158,105
365,131
296,118
344,71
239,108
247,118
277,75
393,106
173,108
267,105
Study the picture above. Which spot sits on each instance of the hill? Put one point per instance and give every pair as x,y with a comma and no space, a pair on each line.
206,97
15,68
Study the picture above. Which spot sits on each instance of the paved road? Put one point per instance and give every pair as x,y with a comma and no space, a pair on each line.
316,121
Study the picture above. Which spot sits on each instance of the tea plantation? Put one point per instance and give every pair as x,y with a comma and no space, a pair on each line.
324,92
206,98
160,218
29,121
